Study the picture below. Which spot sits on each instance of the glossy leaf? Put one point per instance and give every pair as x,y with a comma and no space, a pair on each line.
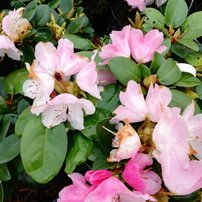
30,10
42,15
91,122
43,34
4,125
78,151
28,53
43,150
25,117
124,69
175,13
188,80
9,148
54,3
169,73
77,24
192,28
189,43
157,62
14,81
4,173
110,97
179,99
79,42
104,137
193,197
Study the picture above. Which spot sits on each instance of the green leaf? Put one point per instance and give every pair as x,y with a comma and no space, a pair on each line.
1,193
169,73
3,107
79,42
14,81
145,71
125,69
193,197
22,105
4,173
189,43
192,28
43,150
175,13
179,99
194,59
78,151
30,10
25,117
198,90
28,53
110,97
188,80
180,50
77,24
104,137
4,125
54,3
42,15
43,34
9,148
91,122
157,62
155,19
66,5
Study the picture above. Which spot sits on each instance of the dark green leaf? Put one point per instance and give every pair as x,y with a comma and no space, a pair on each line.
105,137
4,125
3,107
22,105
193,197
54,3
145,71
30,10
192,28
79,42
28,53
25,117
189,43
175,13
9,148
199,91
76,24
42,15
110,97
43,150
169,73
125,69
14,81
78,151
157,62
180,50
179,99
66,5
43,34
4,173
91,122
188,80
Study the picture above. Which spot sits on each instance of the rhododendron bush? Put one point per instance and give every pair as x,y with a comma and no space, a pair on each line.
119,114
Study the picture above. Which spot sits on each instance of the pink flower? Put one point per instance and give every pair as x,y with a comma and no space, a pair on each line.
127,143
119,46
194,126
171,137
96,177
143,47
108,190
14,25
67,107
140,4
8,47
145,181
136,109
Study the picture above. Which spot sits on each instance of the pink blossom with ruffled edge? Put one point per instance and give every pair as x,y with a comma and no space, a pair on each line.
135,108
136,176
14,24
171,139
143,46
119,45
8,47
140,4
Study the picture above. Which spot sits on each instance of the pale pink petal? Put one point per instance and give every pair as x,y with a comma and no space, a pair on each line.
142,180
87,80
140,4
158,98
105,77
114,49
96,177
45,54
133,105
76,192
87,106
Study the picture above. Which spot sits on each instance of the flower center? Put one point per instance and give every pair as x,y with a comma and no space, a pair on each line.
58,76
